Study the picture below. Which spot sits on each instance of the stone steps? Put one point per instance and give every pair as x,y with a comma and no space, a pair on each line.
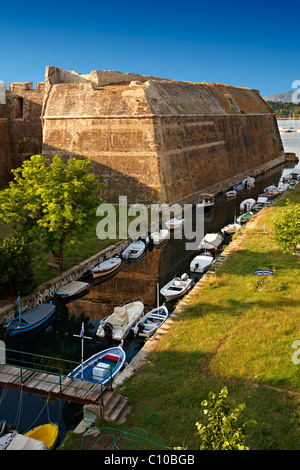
115,406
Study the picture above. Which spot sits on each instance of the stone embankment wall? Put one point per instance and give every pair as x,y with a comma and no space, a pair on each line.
157,140
47,291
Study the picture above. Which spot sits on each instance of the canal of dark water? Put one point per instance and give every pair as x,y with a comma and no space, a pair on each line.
135,280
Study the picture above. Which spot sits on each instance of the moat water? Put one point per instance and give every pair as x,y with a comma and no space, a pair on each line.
139,279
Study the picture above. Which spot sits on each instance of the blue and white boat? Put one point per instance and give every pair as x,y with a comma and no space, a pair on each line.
238,187
102,367
151,321
30,319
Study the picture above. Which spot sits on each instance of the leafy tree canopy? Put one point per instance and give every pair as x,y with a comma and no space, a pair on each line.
48,202
16,266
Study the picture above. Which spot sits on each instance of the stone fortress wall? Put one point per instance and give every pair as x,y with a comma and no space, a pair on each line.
150,139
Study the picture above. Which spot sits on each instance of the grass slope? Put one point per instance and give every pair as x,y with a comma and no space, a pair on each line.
237,332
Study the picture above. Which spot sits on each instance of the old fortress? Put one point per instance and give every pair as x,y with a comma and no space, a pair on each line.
150,139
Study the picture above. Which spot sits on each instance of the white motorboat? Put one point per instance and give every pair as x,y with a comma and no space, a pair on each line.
282,187
247,205
230,229
73,288
207,201
158,237
211,242
230,194
174,223
201,263
270,188
177,287
248,182
134,250
119,323
151,321
106,267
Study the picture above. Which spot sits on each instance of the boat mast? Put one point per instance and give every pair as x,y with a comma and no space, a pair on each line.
81,335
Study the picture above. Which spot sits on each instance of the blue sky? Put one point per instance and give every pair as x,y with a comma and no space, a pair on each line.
254,44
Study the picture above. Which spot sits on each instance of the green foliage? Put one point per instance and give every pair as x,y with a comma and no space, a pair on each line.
223,431
285,110
50,202
287,228
16,266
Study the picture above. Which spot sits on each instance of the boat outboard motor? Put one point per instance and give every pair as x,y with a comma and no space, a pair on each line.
108,329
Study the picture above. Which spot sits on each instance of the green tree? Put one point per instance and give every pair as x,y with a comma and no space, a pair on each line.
16,266
287,228
222,431
50,202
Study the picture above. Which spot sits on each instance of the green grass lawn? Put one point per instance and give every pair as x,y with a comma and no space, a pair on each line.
236,333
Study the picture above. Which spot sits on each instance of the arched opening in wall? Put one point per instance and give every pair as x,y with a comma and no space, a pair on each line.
19,104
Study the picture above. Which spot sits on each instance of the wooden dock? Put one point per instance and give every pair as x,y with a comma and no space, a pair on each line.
50,385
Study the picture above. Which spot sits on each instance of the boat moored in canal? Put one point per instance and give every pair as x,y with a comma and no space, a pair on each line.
106,267
177,287
119,323
151,321
30,319
102,367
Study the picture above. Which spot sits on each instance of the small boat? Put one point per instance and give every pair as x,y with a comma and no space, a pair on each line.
238,187
150,322
248,182
46,433
134,250
207,201
15,441
177,287
106,267
201,263
247,205
158,237
230,229
242,219
230,194
270,188
211,242
174,223
30,319
102,367
119,323
270,194
72,288
282,187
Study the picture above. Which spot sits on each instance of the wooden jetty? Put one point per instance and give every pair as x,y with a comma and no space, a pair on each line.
50,385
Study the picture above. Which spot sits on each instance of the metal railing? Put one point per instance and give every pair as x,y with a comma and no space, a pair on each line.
46,365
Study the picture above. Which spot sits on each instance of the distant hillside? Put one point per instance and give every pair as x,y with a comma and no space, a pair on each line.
282,97
285,110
